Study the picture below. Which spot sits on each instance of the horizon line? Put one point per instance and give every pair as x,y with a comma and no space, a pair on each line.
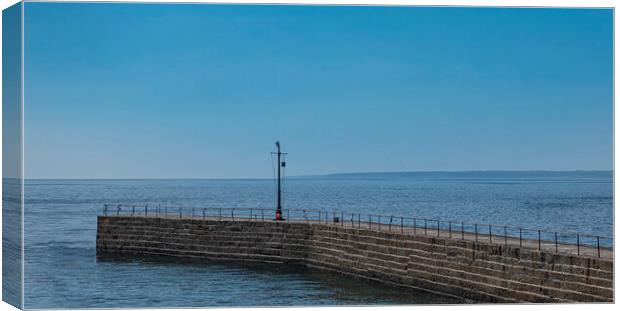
317,175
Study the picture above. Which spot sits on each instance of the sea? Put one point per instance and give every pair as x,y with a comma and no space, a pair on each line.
62,270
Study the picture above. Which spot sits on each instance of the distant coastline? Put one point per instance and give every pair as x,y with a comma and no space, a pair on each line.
475,174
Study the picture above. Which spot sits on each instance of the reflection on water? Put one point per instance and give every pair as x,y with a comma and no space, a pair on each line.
270,284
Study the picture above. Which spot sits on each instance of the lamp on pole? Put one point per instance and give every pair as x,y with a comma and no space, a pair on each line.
281,164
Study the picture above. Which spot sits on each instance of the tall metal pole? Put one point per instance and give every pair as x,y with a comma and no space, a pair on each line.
279,206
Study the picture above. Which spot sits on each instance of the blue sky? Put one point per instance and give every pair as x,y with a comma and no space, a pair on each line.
203,91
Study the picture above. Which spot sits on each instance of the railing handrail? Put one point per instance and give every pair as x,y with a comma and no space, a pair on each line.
339,212
366,218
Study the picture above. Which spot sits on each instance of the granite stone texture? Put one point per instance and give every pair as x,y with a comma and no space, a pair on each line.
471,271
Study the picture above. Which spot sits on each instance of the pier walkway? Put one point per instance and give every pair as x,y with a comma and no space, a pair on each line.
535,239
449,262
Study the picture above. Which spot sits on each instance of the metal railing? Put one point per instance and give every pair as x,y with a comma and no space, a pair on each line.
544,240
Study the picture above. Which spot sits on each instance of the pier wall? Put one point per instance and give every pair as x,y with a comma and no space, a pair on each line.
467,270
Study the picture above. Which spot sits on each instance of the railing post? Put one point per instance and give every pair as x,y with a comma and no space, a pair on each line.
598,246
539,248
146,209
359,220
232,214
342,219
379,222
556,241
414,226
133,208
450,229
490,235
520,237
105,210
476,229
402,225
352,220
578,253
505,237
425,226
462,230
437,227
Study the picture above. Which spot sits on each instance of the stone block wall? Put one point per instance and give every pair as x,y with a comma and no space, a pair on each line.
466,270
196,239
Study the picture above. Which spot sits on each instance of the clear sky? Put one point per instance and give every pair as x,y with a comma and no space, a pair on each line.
203,91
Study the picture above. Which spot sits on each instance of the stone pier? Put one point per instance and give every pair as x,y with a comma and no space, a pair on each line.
468,270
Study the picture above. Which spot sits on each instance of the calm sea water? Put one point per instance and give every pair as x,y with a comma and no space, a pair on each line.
61,269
